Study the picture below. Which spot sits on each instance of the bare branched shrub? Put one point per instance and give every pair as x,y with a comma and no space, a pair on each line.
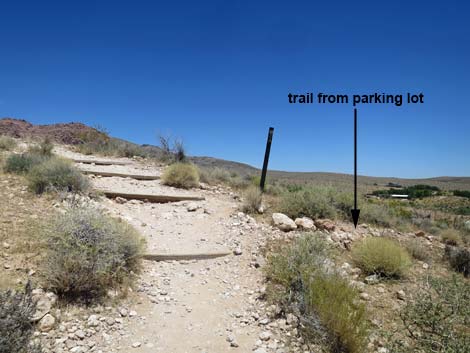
16,328
437,319
89,253
172,151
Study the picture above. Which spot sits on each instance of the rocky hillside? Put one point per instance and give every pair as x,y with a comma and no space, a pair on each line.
72,134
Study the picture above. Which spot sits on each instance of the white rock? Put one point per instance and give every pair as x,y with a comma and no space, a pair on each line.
46,323
265,336
305,223
283,222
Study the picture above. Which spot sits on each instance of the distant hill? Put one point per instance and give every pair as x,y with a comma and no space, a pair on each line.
71,133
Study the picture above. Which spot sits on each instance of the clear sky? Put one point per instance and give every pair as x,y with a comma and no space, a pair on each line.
217,75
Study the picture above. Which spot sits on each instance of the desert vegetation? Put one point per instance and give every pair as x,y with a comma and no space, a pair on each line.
16,326
438,319
46,172
89,253
56,174
303,279
381,256
7,143
181,175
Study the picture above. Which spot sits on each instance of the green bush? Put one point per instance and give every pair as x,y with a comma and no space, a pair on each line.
438,319
338,307
22,163
16,328
181,175
252,199
288,265
327,303
7,143
89,253
417,249
451,237
313,202
56,174
382,256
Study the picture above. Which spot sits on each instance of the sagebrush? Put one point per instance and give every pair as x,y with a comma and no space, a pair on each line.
16,327
56,174
89,253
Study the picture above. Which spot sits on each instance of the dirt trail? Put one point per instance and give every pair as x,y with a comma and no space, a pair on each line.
188,306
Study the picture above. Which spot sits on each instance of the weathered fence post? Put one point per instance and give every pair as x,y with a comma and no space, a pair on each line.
266,159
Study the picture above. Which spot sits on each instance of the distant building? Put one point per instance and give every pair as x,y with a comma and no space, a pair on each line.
398,196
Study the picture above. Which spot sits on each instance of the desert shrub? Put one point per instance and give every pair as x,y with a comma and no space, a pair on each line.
252,199
89,253
43,149
214,175
417,249
329,307
22,163
451,237
181,175
313,202
288,265
7,143
338,307
16,328
438,319
56,174
459,259
382,256
462,193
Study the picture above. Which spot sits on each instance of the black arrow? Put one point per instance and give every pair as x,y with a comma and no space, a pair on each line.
355,211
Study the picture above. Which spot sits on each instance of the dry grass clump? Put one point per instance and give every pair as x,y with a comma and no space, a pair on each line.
305,279
56,174
181,175
252,199
7,143
382,256
16,328
89,253
451,237
417,249
43,149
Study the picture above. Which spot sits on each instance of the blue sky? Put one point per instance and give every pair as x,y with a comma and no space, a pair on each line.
217,75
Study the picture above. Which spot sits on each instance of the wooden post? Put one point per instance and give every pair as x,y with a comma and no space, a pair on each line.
266,159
